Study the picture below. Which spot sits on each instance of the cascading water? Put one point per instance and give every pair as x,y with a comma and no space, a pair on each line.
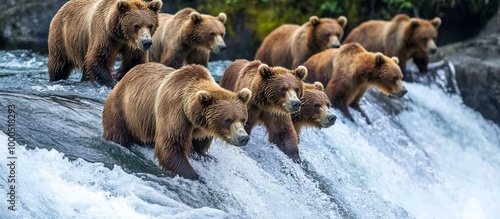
425,156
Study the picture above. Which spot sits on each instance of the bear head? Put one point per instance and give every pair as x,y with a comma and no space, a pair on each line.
281,89
387,75
208,31
223,113
315,107
135,21
327,32
421,34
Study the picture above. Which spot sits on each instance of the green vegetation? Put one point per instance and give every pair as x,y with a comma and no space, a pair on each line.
262,16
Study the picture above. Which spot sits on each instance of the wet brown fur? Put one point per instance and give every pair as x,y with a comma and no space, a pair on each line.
290,45
266,105
350,71
313,100
158,104
181,41
403,37
90,34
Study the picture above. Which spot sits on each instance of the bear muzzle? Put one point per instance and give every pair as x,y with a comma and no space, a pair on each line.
220,46
334,42
239,136
144,41
400,92
432,46
293,103
327,118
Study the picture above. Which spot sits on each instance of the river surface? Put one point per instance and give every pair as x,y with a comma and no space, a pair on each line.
429,157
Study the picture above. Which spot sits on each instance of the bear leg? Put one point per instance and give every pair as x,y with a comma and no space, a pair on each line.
421,60
130,58
355,105
200,149
115,127
406,74
282,133
59,67
172,155
98,64
342,106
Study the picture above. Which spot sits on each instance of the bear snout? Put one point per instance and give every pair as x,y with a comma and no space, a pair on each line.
147,43
243,140
327,118
222,48
401,92
432,46
335,45
292,103
330,120
296,105
239,136
219,46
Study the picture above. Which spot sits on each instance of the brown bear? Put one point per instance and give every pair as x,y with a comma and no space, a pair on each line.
291,45
171,109
403,37
276,93
188,37
91,34
315,110
351,71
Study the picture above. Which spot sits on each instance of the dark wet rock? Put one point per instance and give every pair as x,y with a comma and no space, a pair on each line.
477,65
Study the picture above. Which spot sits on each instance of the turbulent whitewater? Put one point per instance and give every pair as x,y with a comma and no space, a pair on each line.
425,156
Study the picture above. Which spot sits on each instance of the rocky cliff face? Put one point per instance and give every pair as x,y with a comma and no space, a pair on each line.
25,23
477,65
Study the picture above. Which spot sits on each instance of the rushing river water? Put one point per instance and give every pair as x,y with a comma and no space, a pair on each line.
430,157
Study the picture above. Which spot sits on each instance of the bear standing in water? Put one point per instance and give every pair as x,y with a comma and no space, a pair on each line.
276,93
350,71
172,108
188,37
403,37
90,34
291,45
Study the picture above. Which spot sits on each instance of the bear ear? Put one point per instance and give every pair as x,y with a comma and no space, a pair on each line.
436,22
414,24
314,20
195,16
222,17
379,58
300,72
244,95
123,6
319,86
395,59
265,71
342,21
155,5
204,97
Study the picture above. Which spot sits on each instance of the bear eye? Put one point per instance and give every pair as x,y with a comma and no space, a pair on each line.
317,105
244,121
328,105
297,90
284,90
228,121
212,33
395,78
150,27
136,27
